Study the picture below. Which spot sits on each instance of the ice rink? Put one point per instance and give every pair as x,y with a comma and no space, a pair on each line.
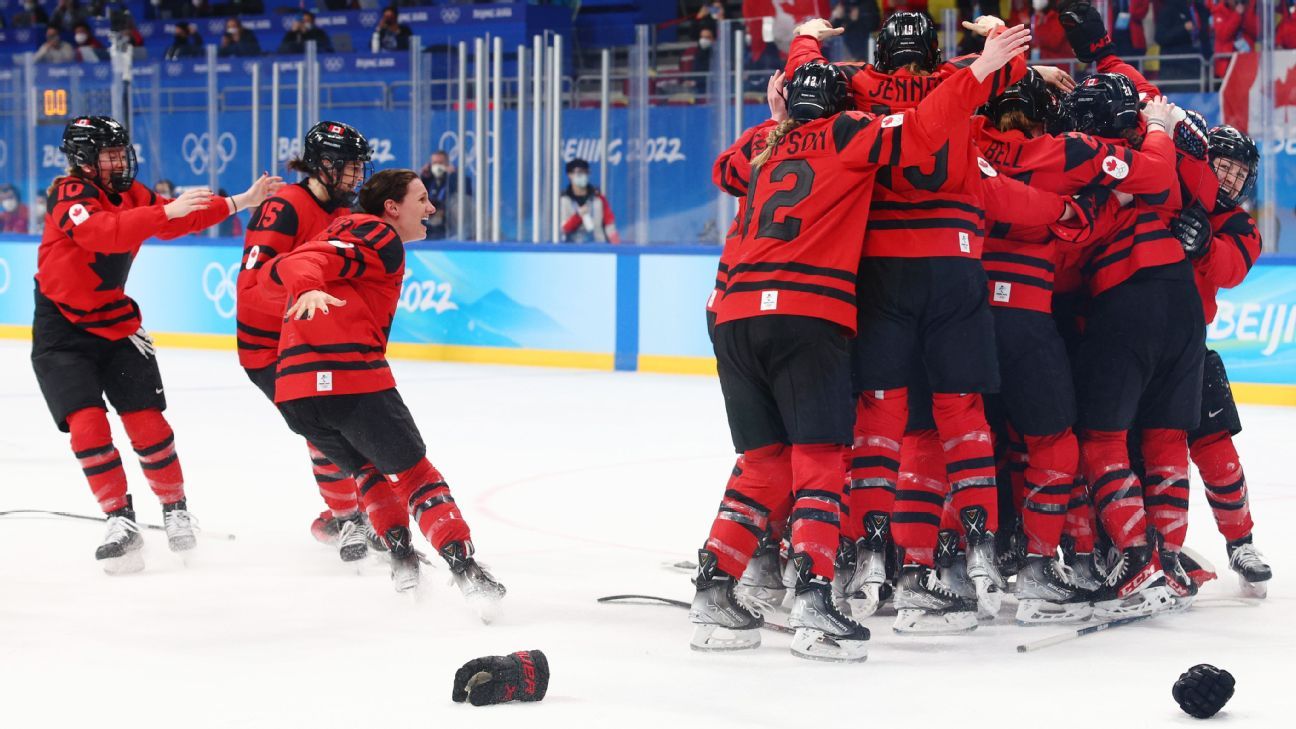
576,485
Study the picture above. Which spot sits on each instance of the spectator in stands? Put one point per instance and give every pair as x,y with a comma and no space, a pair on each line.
67,14
1125,23
302,32
1050,38
697,60
710,15
1285,33
390,34
442,183
238,41
1236,30
1176,33
55,49
13,214
165,188
861,20
586,215
186,43
31,16
88,48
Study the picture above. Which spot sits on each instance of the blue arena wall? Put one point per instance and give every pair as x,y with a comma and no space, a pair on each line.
597,306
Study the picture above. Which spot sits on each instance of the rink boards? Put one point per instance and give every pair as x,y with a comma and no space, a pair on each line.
595,306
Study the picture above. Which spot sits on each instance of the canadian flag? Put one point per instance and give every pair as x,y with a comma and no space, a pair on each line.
784,15
335,129
1241,97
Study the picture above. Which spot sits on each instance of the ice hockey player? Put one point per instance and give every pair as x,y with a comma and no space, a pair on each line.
789,292
88,338
335,159
334,387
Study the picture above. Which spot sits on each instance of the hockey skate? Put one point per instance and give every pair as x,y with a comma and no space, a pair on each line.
823,633
926,606
120,552
325,528
982,567
1047,595
1135,586
352,542
721,620
864,589
762,582
404,560
844,566
1253,573
179,525
1182,588
478,586
1085,571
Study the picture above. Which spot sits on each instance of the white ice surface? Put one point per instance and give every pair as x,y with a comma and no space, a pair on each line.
576,485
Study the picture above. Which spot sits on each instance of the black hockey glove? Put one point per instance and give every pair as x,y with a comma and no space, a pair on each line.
1085,31
1203,690
521,676
1193,229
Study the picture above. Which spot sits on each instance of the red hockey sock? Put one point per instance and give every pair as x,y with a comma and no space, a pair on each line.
1050,478
154,443
1165,458
880,417
816,514
758,493
1226,490
428,497
384,509
1117,493
100,462
1018,458
1080,517
336,486
850,528
969,453
920,497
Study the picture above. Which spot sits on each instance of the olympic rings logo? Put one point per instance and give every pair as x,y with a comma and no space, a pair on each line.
196,150
4,270
220,288
333,64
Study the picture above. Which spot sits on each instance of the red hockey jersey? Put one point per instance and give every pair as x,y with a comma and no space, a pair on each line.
1235,246
804,220
91,238
360,260
732,173
279,225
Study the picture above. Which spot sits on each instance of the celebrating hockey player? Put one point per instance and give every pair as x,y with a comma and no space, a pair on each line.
334,387
88,338
783,356
335,160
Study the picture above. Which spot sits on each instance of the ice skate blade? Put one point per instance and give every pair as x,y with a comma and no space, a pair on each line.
1146,602
711,638
918,622
865,603
1259,590
814,645
1034,612
129,563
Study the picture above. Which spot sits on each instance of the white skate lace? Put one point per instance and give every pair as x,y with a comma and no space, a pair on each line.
1246,557
352,533
177,520
1065,573
1117,572
753,604
934,584
119,529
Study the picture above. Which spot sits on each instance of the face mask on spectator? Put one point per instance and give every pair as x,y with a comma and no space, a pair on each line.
579,180
705,43
9,204
82,38
438,169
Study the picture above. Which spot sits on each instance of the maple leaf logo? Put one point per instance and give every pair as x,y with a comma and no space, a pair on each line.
1285,89
1110,165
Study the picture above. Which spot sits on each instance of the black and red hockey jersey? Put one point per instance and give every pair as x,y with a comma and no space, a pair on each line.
1235,246
281,223
732,173
361,260
91,238
806,210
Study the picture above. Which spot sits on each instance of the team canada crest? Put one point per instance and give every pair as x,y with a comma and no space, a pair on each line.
1115,167
335,129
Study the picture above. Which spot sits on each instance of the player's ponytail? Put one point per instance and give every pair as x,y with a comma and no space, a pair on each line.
774,137
1015,120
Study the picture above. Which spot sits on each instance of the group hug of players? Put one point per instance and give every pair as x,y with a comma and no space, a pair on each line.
317,292
959,322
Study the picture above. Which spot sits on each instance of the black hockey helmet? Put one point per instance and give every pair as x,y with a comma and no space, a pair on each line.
1105,104
328,147
908,37
1030,96
816,90
86,136
1227,142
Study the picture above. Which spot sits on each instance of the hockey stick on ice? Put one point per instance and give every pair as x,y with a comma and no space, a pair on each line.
653,599
1035,645
102,519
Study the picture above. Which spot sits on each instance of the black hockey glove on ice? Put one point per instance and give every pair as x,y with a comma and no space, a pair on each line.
521,676
1193,229
1085,31
1203,690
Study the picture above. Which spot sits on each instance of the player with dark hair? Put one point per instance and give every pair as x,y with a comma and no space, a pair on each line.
1223,244
335,160
780,339
88,338
334,387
